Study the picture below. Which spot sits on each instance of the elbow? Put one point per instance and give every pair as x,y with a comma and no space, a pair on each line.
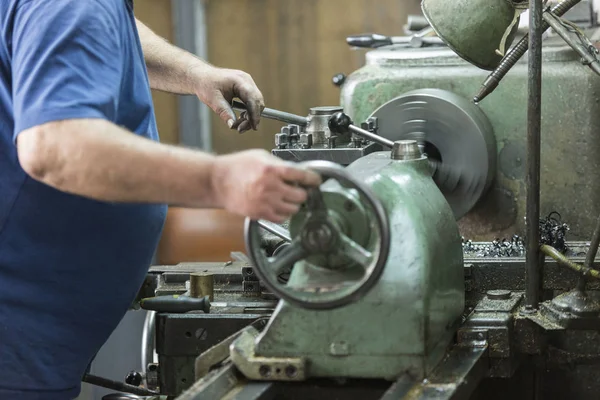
38,155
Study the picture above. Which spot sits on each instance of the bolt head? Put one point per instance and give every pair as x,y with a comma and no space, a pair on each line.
306,140
281,140
339,349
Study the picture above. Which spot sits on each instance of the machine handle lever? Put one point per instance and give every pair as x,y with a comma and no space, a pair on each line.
119,386
276,230
276,115
375,40
369,40
175,304
341,123
416,23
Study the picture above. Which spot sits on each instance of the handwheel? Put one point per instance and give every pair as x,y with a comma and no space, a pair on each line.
320,233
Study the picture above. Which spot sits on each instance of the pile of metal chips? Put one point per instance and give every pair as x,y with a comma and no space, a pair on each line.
553,232
514,247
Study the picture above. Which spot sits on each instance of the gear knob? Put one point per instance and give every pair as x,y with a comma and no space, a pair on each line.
133,378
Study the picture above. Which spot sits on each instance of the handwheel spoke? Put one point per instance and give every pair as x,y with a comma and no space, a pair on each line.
315,201
290,255
354,251
276,230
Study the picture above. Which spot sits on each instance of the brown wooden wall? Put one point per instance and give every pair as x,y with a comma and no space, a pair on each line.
156,14
292,48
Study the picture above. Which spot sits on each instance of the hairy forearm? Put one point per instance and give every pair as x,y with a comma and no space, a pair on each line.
99,160
170,68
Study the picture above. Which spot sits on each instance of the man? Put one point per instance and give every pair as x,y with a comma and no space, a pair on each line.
84,184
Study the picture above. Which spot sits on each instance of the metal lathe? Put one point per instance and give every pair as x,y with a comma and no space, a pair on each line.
450,252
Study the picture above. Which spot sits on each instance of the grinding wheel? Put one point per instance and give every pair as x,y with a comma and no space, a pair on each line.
452,131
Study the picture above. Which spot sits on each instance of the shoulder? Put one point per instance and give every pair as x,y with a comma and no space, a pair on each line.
66,13
73,5
43,22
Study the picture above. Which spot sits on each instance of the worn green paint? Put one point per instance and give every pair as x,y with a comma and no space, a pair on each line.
474,29
406,321
570,180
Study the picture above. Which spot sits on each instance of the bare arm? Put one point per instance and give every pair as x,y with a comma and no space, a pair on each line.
81,152
174,70
170,68
97,159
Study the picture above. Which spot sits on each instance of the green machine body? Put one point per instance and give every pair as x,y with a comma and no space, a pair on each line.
395,314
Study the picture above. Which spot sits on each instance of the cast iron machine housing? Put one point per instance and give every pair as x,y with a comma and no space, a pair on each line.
361,258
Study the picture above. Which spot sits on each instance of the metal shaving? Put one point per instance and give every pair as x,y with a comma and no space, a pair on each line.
515,247
553,232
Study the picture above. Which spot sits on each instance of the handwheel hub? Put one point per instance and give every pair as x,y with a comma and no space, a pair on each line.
319,236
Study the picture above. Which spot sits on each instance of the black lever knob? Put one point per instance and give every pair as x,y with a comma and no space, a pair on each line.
340,123
133,378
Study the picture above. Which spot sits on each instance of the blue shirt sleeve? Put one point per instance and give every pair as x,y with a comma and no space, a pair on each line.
66,62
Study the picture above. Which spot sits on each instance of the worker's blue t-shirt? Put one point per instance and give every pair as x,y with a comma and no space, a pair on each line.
69,266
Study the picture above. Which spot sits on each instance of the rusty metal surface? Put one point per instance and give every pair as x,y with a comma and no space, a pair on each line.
456,378
533,166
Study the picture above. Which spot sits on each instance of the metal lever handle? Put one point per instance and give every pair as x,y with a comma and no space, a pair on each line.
175,304
276,230
374,40
416,23
119,386
369,40
342,124
588,57
276,115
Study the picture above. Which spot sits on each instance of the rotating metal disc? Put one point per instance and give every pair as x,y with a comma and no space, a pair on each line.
452,131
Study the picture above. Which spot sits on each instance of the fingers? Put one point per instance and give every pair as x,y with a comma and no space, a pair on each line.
227,84
303,177
258,185
286,198
255,109
272,216
223,109
252,97
286,209
293,194
281,201
280,211
242,124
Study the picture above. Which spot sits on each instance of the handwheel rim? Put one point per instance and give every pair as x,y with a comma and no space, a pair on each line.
359,289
